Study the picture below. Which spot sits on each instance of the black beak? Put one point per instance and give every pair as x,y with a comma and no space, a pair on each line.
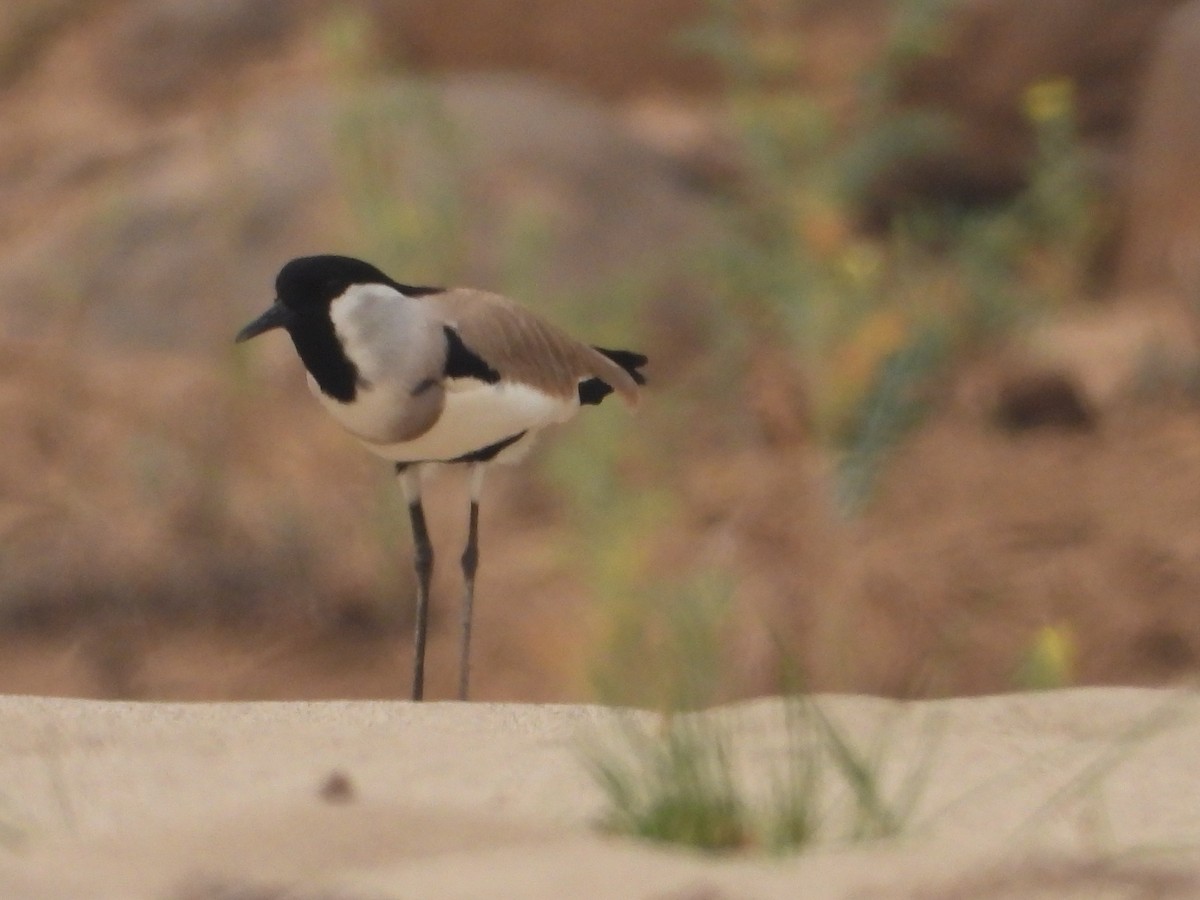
277,316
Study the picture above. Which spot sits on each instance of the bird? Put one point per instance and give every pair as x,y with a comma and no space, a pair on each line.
429,376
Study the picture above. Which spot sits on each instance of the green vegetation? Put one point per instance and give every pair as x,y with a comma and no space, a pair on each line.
874,321
679,781
676,786
675,777
697,779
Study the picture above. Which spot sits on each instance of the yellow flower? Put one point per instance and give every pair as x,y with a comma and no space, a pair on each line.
861,263
1049,100
1051,659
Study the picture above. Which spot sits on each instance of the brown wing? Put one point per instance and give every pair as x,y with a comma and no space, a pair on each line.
525,348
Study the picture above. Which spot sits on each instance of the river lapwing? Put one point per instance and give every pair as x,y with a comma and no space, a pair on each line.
425,375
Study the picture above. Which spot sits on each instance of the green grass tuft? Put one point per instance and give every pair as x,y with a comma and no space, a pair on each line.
680,783
675,788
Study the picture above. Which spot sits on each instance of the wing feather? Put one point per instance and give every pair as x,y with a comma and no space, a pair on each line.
525,348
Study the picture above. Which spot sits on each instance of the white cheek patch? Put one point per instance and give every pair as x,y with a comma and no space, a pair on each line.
347,314
390,338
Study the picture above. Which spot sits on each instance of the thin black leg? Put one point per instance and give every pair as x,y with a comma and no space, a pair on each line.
423,564
470,562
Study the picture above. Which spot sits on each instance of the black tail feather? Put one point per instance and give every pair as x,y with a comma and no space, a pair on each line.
627,360
592,391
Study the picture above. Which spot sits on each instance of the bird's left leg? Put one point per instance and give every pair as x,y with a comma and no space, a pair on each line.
470,562
410,479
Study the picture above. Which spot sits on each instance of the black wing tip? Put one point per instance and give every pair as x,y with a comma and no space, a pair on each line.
593,390
629,360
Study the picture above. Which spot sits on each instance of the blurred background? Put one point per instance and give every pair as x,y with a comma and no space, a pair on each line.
919,280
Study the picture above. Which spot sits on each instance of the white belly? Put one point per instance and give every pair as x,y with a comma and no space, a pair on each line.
477,415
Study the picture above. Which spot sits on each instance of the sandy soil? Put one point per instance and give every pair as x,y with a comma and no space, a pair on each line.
1081,793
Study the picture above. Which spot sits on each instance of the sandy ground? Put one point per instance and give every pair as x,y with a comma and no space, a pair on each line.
1080,793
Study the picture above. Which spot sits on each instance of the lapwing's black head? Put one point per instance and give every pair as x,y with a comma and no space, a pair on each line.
305,288
313,282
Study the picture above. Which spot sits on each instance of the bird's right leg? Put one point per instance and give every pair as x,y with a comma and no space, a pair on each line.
410,479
